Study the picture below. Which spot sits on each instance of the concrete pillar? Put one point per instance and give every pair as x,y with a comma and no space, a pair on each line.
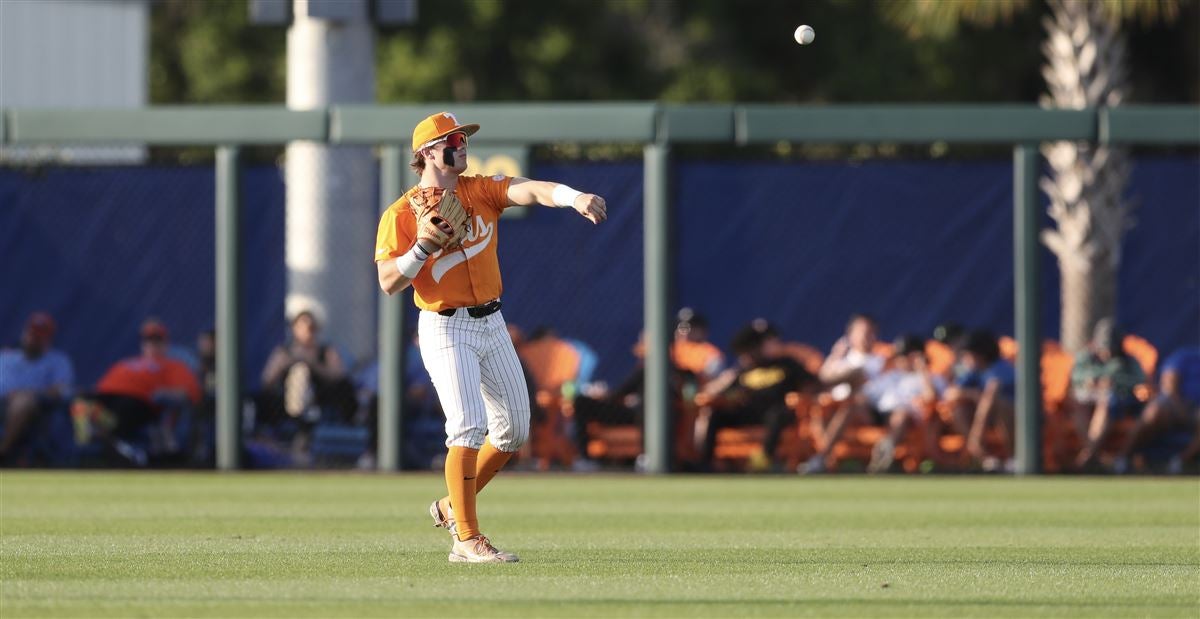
331,210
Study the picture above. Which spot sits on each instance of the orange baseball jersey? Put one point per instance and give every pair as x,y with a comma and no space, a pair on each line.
469,275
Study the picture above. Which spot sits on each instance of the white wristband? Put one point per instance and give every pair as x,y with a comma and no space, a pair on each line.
564,196
410,263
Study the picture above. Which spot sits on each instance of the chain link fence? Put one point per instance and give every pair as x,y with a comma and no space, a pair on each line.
801,244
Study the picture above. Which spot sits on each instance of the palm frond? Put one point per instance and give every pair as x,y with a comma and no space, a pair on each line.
1145,12
942,18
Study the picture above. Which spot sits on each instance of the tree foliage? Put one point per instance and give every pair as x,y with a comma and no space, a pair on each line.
208,52
693,51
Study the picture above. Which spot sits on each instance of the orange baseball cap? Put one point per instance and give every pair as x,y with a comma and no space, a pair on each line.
437,127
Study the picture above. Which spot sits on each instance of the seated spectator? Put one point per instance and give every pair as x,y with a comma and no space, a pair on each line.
305,377
589,359
983,393
136,394
1102,383
625,406
691,350
1188,457
201,447
753,393
423,423
899,396
34,381
850,364
940,349
206,361
551,361
1176,408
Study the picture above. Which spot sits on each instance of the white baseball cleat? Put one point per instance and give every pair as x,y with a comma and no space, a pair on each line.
443,520
479,550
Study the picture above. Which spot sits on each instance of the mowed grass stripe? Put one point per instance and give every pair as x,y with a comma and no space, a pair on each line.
321,545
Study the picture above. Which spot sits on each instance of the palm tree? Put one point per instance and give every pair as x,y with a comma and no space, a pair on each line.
1086,66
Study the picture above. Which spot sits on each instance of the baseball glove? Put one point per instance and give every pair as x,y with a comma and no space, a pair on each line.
441,219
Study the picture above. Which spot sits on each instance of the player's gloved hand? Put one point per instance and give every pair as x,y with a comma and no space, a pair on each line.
435,233
442,220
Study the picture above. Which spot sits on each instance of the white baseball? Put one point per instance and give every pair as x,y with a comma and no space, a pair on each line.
805,35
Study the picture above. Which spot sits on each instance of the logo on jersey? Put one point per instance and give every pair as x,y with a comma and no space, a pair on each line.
763,378
481,230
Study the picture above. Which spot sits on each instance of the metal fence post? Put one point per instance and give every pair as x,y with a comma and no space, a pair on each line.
1026,254
391,332
229,320
656,216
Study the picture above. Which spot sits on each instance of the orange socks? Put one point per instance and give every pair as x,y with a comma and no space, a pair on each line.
461,482
486,463
491,460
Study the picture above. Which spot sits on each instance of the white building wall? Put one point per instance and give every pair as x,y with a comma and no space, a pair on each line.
74,54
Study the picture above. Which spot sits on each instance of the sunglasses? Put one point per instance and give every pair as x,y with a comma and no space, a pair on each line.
456,140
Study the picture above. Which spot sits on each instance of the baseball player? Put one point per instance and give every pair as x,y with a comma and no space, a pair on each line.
440,237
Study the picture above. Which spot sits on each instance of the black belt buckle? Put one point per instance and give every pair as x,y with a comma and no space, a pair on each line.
478,311
487,309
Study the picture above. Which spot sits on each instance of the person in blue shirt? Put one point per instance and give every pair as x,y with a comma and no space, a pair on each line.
983,393
34,380
1175,409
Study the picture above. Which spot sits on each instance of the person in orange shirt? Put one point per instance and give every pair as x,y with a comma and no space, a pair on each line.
464,341
135,392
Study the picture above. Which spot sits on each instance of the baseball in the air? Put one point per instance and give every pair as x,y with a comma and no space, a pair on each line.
805,35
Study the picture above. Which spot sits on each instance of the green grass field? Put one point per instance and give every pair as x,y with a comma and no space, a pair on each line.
344,545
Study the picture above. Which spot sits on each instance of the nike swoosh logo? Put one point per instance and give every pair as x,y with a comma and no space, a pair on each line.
445,263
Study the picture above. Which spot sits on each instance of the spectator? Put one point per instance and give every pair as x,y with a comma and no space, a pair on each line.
206,361
899,396
1102,384
983,394
34,381
304,377
939,350
691,350
551,361
1176,408
623,406
202,441
136,394
850,364
753,393
423,430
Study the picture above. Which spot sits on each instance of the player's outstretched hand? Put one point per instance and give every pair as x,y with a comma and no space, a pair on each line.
592,207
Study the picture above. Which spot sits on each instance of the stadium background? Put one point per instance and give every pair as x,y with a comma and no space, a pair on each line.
802,234
801,244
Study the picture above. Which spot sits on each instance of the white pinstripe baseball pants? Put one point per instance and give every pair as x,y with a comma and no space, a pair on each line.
478,378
